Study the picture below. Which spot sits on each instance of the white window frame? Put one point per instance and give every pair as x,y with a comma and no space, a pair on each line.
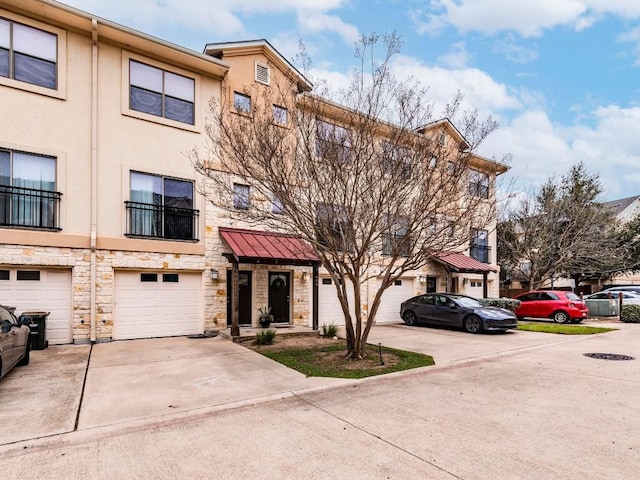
125,105
61,59
241,196
163,91
280,115
238,106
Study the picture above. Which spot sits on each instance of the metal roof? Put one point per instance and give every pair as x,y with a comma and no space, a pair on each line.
251,246
460,262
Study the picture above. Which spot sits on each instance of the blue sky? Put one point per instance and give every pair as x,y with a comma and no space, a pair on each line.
562,77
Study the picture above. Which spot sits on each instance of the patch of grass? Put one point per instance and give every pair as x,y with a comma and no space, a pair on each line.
562,329
329,360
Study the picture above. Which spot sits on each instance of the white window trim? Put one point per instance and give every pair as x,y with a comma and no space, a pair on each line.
61,62
197,104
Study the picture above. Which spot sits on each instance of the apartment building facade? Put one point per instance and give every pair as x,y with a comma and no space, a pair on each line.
101,219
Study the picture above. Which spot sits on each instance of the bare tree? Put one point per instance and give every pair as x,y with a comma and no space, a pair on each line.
562,230
361,180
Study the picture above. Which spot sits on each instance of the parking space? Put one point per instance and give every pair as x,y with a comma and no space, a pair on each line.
42,398
128,381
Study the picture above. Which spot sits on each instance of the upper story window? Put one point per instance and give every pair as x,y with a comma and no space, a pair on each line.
396,160
479,248
241,199
161,93
333,141
280,115
28,54
161,207
28,196
276,206
479,184
333,226
242,102
396,240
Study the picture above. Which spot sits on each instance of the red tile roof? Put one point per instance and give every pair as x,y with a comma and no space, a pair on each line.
462,263
251,246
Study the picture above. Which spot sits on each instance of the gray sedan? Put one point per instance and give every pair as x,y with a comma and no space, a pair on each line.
451,309
14,342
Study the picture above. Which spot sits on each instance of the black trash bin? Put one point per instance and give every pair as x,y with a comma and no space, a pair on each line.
37,323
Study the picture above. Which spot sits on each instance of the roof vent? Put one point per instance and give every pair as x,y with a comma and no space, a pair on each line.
262,74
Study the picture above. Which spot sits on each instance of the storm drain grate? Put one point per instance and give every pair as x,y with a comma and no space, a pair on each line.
609,356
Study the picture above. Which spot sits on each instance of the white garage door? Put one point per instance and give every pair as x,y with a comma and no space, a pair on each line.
150,304
389,309
40,290
329,309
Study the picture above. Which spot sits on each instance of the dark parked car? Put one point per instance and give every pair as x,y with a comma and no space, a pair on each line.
14,342
559,305
457,311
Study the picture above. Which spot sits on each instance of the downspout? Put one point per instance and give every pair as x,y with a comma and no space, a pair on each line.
94,171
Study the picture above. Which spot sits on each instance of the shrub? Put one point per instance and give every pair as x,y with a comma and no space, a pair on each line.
630,313
508,303
330,330
265,336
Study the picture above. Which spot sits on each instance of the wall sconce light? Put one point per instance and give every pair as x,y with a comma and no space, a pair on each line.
214,274
422,279
305,276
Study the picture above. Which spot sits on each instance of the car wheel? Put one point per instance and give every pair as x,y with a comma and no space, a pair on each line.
473,324
410,318
25,359
560,317
520,319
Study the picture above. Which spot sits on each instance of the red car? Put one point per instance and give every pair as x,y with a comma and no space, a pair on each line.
559,305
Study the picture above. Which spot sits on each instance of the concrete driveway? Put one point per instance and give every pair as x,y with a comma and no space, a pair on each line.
80,387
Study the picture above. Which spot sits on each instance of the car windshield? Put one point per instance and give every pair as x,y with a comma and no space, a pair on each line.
467,302
572,296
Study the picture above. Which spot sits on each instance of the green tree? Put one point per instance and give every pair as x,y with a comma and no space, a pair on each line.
561,230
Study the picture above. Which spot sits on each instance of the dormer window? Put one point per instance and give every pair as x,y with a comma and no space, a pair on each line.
262,74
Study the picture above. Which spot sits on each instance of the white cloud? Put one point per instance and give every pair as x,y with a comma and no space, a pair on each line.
526,18
457,57
515,52
541,149
220,18
480,90
320,22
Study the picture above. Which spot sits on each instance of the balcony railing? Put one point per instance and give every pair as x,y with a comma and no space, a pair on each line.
480,253
29,208
160,221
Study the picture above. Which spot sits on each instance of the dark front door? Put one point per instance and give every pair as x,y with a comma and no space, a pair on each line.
244,315
279,289
432,285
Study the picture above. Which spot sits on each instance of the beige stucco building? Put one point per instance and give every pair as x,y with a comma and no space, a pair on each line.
101,222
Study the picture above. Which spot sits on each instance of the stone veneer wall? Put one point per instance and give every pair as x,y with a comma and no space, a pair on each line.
107,262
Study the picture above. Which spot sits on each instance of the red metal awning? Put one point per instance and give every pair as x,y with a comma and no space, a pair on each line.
250,246
459,262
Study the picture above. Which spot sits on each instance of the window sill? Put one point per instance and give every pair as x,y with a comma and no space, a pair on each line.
28,87
162,121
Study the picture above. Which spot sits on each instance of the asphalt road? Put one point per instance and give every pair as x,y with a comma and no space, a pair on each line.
541,410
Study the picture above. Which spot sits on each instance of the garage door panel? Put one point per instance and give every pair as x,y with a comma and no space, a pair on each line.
157,309
389,308
329,308
51,293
